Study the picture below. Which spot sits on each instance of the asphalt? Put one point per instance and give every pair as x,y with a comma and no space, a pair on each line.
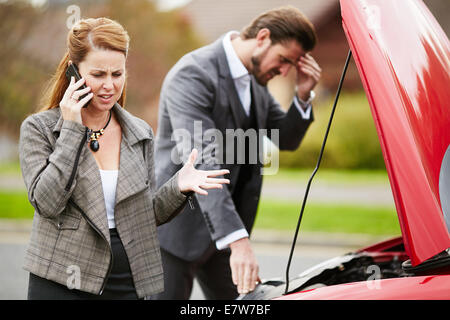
271,249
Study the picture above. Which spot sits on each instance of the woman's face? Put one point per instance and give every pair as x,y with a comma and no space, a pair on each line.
104,72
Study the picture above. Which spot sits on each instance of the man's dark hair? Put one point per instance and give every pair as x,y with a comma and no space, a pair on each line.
285,23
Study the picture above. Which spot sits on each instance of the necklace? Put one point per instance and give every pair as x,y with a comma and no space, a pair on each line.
94,135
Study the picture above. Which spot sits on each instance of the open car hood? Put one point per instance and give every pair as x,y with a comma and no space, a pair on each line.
403,58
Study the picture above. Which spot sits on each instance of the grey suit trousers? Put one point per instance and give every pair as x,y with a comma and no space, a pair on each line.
179,275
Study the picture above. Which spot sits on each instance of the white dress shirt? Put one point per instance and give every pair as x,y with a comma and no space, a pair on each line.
241,79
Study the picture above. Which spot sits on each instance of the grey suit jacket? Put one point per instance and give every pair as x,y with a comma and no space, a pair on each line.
70,227
200,88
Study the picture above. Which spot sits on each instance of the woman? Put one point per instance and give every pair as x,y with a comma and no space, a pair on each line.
90,177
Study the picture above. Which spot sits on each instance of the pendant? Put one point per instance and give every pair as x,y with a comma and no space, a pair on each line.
94,145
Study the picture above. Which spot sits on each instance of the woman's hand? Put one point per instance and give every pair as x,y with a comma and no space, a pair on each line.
70,106
191,179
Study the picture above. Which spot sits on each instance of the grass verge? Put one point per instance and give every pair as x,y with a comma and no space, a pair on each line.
272,214
283,215
15,205
364,177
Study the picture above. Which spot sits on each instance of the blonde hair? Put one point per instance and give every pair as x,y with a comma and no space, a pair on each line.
85,35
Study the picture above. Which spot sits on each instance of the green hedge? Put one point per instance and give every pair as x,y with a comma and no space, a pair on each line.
335,218
352,142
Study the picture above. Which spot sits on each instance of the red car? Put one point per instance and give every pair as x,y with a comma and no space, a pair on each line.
403,58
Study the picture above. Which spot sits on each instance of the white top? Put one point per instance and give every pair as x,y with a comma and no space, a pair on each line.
109,183
241,79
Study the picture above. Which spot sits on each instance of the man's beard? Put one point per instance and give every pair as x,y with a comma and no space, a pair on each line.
260,77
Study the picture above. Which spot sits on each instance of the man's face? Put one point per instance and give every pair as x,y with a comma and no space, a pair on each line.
271,60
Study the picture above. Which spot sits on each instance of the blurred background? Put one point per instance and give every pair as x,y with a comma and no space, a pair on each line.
350,196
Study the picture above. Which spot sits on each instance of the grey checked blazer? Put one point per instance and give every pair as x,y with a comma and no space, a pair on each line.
70,224
200,88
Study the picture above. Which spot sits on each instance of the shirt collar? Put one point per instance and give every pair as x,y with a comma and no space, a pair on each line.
237,68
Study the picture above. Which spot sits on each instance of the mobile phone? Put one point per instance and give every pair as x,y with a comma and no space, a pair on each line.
72,71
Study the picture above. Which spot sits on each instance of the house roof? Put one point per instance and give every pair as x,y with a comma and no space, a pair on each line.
441,11
212,18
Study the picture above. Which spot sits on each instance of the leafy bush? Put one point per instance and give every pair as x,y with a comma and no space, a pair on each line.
323,217
352,142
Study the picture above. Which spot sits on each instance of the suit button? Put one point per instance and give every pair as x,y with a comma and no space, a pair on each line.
60,224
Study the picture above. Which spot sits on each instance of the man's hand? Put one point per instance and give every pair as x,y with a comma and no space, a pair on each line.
308,75
244,267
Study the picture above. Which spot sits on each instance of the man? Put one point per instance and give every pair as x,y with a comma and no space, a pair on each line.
216,88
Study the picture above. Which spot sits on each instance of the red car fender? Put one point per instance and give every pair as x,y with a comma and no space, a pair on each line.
434,287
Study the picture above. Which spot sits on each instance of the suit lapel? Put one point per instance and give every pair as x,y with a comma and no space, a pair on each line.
133,177
258,104
228,97
133,173
234,102
88,193
88,190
